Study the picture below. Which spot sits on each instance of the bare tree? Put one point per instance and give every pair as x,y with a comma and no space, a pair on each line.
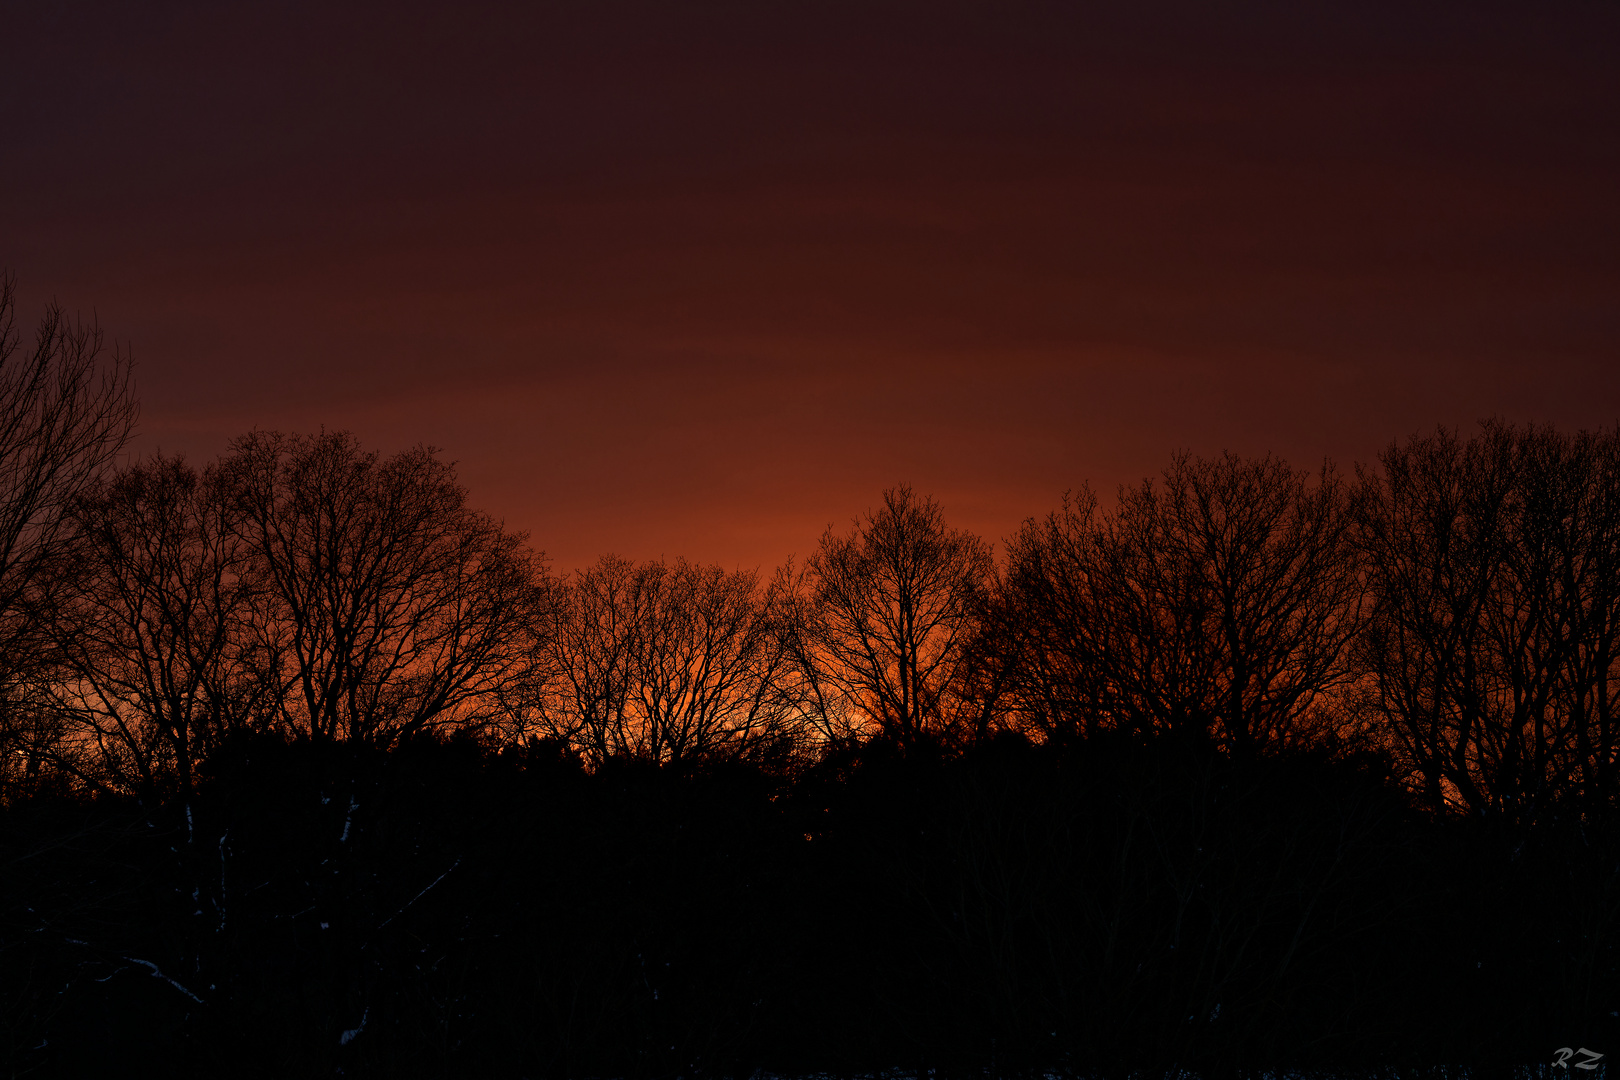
1492,650
1043,620
387,605
147,625
707,661
894,605
66,409
577,687
665,662
1219,603
831,718
1588,570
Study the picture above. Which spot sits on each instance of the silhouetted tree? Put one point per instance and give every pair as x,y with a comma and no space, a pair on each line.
1045,622
707,662
662,662
1492,650
387,605
148,623
1219,603
576,688
894,605
66,409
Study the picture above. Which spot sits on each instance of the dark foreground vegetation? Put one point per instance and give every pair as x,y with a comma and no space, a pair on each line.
308,768
442,910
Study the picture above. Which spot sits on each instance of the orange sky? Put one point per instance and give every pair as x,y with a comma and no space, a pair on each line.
700,279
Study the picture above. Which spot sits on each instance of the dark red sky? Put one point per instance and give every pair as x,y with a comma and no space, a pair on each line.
702,278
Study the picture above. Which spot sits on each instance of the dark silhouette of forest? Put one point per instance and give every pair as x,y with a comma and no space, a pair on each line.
310,768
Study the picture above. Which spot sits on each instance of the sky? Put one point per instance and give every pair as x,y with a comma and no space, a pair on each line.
703,279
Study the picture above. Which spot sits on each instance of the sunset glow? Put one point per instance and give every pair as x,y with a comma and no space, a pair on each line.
736,540
701,282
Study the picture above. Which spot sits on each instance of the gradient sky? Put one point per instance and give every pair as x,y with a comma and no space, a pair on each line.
700,279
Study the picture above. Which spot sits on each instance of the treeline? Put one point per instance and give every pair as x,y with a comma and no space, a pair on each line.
308,766
1456,609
